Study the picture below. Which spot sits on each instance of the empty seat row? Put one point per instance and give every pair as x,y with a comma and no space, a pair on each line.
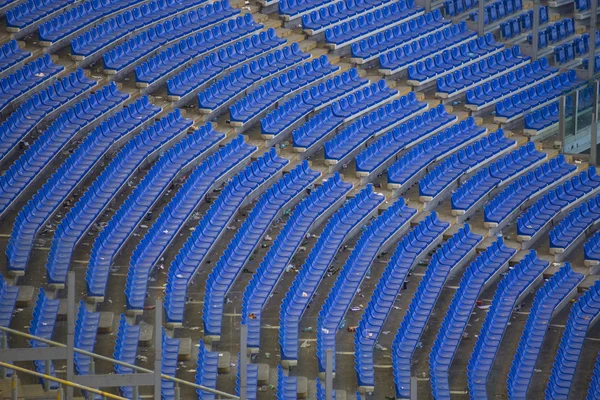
594,390
169,363
518,193
406,135
481,271
277,88
415,161
128,337
498,10
564,235
241,189
212,65
251,381
341,11
449,61
88,13
340,111
586,63
86,329
358,28
453,36
399,35
584,312
241,248
556,290
555,32
576,48
8,300
31,11
281,252
287,386
497,174
468,159
515,284
338,229
36,108
242,79
293,8
446,260
513,27
413,247
11,54
515,83
69,175
583,5
493,67
565,196
42,324
453,8
26,79
547,115
321,392
138,47
207,370
299,106
592,248
381,230
171,220
105,188
144,196
112,30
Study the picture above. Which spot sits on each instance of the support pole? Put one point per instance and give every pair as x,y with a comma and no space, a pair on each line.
3,345
243,361
594,126
70,331
60,393
427,5
480,18
47,371
536,29
157,348
592,30
413,388
14,387
562,108
329,374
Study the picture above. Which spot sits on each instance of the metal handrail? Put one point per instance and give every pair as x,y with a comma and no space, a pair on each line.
117,362
61,381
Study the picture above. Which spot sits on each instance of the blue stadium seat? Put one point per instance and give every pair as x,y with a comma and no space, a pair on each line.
126,346
334,14
42,325
170,356
347,220
391,221
251,381
8,300
206,371
31,12
86,329
11,54
287,386
592,249
594,390
445,261
564,235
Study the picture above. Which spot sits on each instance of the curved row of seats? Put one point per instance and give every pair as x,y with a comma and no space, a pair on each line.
11,54
444,262
69,175
513,27
158,179
306,214
38,107
31,12
138,150
212,65
251,381
453,36
128,337
170,357
413,247
229,266
594,390
491,71
566,196
90,12
547,116
241,189
377,122
342,110
42,324
497,174
516,283
480,272
216,168
415,29
336,13
24,80
411,165
352,30
498,10
576,48
287,386
564,235
242,79
420,128
86,328
554,292
299,106
293,8
112,30
555,32
8,300
141,45
529,187
392,221
584,312
337,231
468,159
259,100
207,369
